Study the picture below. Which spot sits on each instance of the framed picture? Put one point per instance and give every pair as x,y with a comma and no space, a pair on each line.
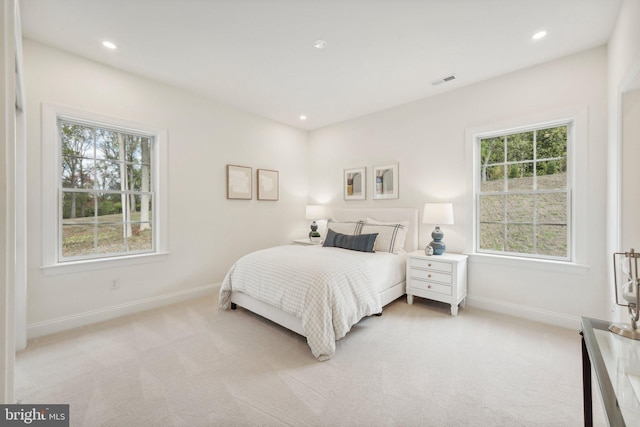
385,181
355,181
239,182
267,184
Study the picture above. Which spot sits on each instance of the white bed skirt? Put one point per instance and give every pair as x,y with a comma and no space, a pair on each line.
293,323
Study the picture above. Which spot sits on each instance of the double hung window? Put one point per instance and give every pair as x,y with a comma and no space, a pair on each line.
523,192
104,200
106,191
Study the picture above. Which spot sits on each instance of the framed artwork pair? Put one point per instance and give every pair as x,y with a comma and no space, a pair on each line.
239,180
384,182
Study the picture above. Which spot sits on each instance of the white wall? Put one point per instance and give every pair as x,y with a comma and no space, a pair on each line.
427,138
207,232
623,66
630,170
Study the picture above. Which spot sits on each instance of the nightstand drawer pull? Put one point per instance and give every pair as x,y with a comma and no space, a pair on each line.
444,267
419,285
429,275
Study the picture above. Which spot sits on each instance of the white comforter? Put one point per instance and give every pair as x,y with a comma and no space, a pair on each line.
330,289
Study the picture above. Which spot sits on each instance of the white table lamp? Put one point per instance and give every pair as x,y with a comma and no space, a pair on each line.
437,214
315,212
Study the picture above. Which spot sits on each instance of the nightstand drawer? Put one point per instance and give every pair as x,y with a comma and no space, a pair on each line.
431,275
430,286
432,265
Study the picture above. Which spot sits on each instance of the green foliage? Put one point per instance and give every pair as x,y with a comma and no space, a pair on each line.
516,153
496,172
552,143
520,147
550,168
109,207
101,159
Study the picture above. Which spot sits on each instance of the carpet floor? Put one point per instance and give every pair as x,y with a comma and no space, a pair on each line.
191,364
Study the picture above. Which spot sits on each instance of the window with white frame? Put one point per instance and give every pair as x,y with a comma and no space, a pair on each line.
106,191
524,193
104,181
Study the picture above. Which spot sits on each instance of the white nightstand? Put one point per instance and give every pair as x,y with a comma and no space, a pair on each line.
306,242
438,277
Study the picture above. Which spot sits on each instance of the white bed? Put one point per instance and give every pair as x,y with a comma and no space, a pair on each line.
385,272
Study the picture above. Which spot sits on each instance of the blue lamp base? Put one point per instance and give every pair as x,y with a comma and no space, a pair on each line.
437,244
313,234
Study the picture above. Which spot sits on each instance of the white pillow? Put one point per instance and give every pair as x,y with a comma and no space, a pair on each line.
391,235
344,227
375,221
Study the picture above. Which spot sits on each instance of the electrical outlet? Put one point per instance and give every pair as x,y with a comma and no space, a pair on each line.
115,284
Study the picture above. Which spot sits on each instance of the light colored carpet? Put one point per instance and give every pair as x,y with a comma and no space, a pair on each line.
192,365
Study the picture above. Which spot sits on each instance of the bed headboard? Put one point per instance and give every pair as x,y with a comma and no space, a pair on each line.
385,215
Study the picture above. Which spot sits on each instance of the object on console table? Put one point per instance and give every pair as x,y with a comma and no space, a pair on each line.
627,291
441,279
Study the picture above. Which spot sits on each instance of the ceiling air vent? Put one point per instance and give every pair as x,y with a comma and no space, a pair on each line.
443,80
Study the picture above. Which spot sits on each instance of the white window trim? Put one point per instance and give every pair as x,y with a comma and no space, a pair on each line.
568,191
51,176
577,156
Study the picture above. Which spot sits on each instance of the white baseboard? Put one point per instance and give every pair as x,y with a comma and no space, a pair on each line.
64,323
535,314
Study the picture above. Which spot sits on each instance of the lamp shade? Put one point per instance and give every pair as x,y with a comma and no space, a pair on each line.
438,213
316,212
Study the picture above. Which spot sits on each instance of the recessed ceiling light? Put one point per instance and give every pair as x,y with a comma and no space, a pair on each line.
109,45
319,44
303,117
539,35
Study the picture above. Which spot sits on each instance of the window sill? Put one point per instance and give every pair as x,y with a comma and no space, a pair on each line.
99,264
529,263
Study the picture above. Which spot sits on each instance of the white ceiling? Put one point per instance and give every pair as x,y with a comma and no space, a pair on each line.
258,54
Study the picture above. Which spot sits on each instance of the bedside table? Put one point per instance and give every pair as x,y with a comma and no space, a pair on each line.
306,242
438,277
